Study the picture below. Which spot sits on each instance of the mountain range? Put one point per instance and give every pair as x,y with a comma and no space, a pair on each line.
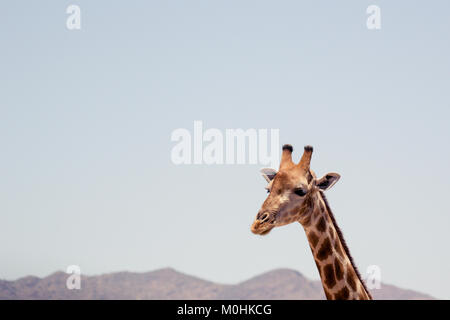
168,283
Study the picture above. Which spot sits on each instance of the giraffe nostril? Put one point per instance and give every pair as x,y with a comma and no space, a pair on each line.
263,217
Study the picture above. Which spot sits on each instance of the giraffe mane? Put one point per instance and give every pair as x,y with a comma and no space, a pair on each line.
344,244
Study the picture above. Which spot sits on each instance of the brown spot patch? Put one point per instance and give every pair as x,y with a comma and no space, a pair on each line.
351,280
313,239
328,276
339,269
325,250
342,294
321,225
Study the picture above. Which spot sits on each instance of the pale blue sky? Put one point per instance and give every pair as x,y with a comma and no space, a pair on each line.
86,118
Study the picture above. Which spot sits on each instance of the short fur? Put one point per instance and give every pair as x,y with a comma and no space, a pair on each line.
344,244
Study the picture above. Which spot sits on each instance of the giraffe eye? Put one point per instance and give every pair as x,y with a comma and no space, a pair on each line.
300,192
268,191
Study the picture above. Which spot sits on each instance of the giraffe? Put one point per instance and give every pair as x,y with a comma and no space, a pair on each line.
295,194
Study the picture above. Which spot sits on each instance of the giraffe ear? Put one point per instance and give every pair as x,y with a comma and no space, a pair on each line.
327,181
268,173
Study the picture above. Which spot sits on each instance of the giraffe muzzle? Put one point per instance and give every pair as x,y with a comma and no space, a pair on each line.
262,224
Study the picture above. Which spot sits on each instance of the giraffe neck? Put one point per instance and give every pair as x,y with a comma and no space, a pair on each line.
339,276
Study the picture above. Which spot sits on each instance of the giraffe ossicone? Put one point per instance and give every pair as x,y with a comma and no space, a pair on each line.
296,195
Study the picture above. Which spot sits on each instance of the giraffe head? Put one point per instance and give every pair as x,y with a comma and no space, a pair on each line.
291,190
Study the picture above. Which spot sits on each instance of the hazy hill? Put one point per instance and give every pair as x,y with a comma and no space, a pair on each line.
170,284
